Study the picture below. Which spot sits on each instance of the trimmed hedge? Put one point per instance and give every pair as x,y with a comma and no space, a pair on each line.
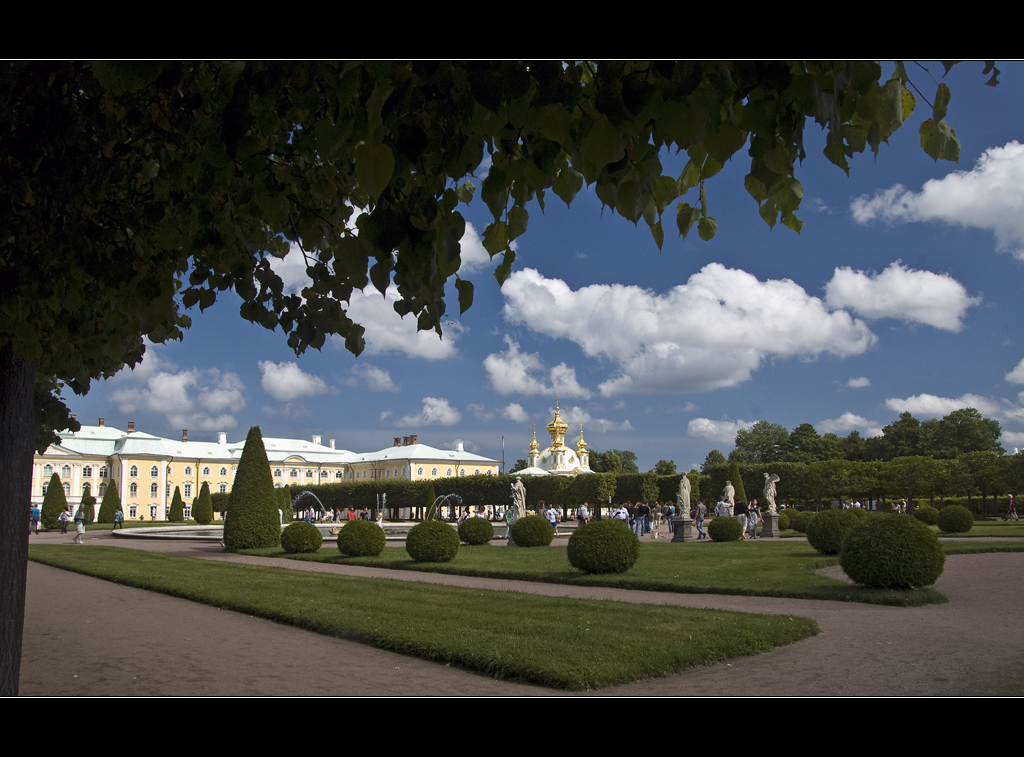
826,530
784,519
532,531
892,552
252,520
432,541
798,521
927,515
301,537
954,519
360,538
725,529
475,531
603,546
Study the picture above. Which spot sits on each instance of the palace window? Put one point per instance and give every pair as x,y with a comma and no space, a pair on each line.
133,489
133,472
168,470
449,474
188,490
224,472
309,474
65,472
103,471
339,475
133,511
293,473
188,470
103,489
223,488
324,474
277,472
154,490
152,512
476,472
433,472
206,470
86,488
462,471
87,471
47,471
154,472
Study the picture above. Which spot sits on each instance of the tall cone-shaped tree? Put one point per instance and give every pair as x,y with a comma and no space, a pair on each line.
177,514
737,482
89,505
252,520
111,504
202,513
286,503
54,502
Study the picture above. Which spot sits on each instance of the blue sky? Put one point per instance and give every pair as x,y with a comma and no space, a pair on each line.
902,292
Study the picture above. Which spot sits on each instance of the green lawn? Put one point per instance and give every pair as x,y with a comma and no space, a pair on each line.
558,642
1005,529
762,568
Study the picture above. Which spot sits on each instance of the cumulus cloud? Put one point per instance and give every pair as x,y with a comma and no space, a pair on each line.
474,256
711,332
376,379
435,410
387,332
902,293
195,398
931,406
576,415
717,431
1016,376
286,381
989,196
513,371
848,422
514,412
859,383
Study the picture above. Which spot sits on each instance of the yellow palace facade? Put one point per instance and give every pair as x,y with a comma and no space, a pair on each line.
146,468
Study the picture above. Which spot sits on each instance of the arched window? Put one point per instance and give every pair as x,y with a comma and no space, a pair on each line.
47,470
387,473
154,490
154,472
476,472
433,471
133,512
45,484
152,512
224,472
449,474
364,474
277,472
65,472
103,471
309,473
324,474
188,470
462,471
488,471
168,491
223,488
133,472
419,471
293,473
133,489
87,471
206,470
339,475
188,491
103,489
67,489
168,470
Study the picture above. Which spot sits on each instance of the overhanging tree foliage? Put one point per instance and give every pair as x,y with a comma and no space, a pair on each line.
190,177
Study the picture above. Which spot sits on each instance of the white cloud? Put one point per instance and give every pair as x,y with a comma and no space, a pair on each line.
1013,438
286,381
292,270
387,332
576,415
709,333
1016,376
514,371
480,411
902,293
474,256
195,398
848,422
376,379
931,406
435,410
717,431
859,383
990,196
514,412
384,415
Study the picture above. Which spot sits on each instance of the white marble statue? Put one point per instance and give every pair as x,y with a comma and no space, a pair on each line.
683,497
769,490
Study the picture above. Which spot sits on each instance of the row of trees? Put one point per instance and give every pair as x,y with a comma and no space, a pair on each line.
961,432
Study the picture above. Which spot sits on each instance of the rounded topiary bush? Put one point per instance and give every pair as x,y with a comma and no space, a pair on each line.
725,529
360,538
927,514
432,541
858,512
892,552
475,531
603,546
301,537
826,530
784,520
955,519
532,531
798,521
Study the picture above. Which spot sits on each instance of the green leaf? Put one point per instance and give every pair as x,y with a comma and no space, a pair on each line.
496,238
603,143
502,271
689,178
567,184
465,289
374,166
941,102
707,228
686,216
939,141
658,233
790,221
909,102
990,65
380,276
755,188
465,192
518,219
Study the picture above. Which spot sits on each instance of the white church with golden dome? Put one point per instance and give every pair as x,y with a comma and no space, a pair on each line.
558,459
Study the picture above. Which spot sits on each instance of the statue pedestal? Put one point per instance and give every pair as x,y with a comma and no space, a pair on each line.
770,526
683,529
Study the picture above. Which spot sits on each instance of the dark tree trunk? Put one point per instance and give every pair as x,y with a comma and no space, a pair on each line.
17,435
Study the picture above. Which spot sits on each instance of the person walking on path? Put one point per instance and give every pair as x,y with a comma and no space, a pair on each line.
33,514
64,517
79,526
118,519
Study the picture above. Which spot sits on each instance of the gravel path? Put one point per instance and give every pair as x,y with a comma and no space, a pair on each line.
87,637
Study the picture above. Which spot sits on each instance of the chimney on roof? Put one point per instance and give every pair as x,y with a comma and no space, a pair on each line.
101,423
413,437
131,427
222,437
405,441
332,444
458,447
73,416
398,442
184,434
316,438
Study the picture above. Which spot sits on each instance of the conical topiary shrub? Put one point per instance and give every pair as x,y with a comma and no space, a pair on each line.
202,513
111,504
54,503
177,514
288,515
252,519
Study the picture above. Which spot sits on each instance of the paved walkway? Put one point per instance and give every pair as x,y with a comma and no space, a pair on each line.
87,637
